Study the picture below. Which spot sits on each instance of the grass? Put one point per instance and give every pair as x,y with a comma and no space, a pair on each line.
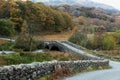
18,58
6,46
113,52
46,77
3,41
55,36
2,61
108,54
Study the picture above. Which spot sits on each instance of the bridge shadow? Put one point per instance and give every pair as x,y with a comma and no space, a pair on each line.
53,48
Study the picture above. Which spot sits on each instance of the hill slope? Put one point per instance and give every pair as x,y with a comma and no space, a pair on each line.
86,3
36,17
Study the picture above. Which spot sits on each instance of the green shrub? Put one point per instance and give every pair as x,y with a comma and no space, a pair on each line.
101,41
28,57
108,42
79,39
18,58
7,46
105,42
91,44
6,27
116,35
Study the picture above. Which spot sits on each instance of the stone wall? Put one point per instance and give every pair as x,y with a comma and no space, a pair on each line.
38,69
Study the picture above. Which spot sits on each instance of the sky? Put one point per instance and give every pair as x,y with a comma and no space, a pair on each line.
114,3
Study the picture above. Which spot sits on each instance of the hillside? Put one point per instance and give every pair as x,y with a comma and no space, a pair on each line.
31,17
91,12
90,18
86,3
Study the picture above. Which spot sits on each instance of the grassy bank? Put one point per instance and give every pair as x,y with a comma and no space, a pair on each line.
3,41
22,57
107,54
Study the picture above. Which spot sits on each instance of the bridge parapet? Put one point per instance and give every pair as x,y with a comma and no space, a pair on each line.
66,46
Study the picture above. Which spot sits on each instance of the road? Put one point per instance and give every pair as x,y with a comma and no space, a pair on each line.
109,74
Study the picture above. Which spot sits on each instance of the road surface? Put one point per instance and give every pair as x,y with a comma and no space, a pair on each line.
109,74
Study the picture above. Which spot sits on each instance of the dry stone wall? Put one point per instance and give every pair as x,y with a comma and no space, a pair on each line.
38,69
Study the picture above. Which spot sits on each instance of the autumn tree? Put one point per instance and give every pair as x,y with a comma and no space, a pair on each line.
11,11
38,16
25,40
68,21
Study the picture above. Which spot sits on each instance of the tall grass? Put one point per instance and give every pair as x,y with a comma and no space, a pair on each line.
22,57
2,41
7,46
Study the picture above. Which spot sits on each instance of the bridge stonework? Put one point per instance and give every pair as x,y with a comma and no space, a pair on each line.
62,47
51,44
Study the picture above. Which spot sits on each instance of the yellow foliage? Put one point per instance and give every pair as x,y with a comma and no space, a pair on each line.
75,29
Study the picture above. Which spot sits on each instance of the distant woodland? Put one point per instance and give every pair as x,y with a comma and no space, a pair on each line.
87,19
18,16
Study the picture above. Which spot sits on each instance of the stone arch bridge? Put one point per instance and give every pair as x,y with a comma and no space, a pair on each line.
66,46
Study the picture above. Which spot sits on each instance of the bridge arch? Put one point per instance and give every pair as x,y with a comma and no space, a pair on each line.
54,47
46,46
